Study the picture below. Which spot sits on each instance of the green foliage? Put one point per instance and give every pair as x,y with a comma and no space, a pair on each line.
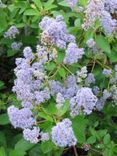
4,120
102,42
98,130
47,146
79,127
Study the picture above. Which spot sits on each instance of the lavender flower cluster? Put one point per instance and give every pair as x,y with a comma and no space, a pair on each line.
101,10
63,92
63,135
11,32
111,6
28,87
91,43
108,23
84,101
22,118
55,32
35,86
34,135
73,54
93,12
16,46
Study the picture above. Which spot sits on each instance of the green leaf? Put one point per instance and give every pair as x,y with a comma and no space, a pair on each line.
47,146
25,39
102,43
49,2
31,12
49,7
4,120
2,139
11,7
3,24
50,66
10,53
58,153
2,85
88,34
22,9
60,57
38,3
64,108
63,3
102,133
93,132
36,151
23,145
107,139
20,25
91,140
2,151
46,126
79,124
44,115
62,72
17,153
83,2
52,108
113,57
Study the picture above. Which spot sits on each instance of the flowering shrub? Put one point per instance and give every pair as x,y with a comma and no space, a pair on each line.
65,76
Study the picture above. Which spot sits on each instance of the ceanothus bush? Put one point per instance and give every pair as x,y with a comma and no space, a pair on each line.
67,77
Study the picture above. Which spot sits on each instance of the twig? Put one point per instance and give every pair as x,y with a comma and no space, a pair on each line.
96,151
54,73
75,151
102,65
93,66
39,122
67,69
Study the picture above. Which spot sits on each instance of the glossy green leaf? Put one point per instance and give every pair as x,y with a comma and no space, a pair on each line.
91,140
107,139
79,124
62,72
31,12
103,43
46,116
47,146
4,120
23,145
38,3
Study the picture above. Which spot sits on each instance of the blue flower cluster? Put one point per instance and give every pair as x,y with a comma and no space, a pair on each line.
108,23
111,6
101,10
11,32
84,101
22,118
35,85
31,134
55,32
73,53
90,43
16,46
93,12
63,135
